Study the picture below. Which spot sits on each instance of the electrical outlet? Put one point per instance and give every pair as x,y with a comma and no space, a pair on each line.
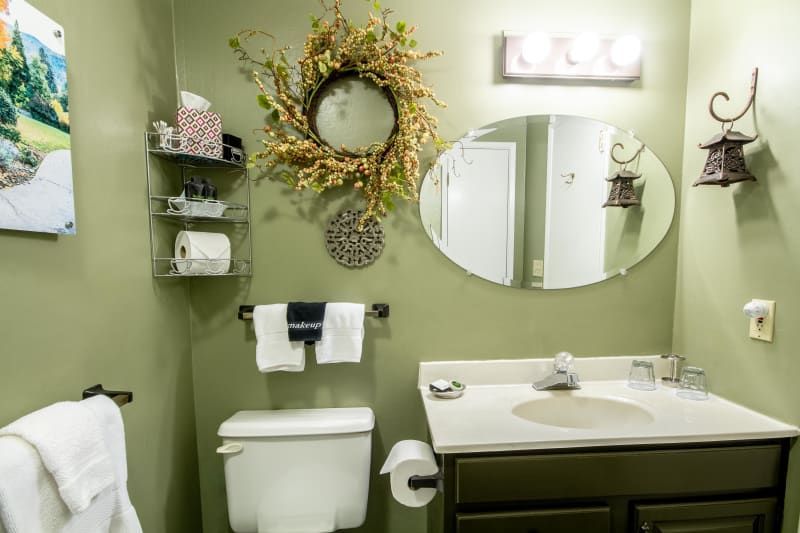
763,328
538,268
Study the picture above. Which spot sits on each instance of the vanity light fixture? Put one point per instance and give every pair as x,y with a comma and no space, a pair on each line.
571,56
584,48
626,50
535,48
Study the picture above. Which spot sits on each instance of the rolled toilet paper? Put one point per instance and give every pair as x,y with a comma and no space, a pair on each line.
199,252
410,458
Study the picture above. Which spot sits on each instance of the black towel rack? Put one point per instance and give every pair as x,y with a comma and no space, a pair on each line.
120,397
378,311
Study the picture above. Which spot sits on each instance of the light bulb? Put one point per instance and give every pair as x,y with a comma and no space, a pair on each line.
535,48
584,48
626,50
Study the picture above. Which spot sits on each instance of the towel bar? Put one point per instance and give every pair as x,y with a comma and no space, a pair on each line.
120,397
378,311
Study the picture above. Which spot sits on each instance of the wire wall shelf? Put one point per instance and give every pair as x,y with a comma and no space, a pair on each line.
180,209
168,215
170,267
181,149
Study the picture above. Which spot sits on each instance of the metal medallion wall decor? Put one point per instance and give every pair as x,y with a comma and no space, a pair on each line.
622,193
725,163
349,246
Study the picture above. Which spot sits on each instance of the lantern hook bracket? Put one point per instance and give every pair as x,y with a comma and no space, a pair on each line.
624,162
724,95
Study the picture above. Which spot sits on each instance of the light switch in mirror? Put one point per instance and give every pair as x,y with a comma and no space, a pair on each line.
520,202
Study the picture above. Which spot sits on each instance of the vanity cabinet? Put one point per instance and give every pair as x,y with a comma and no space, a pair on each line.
714,488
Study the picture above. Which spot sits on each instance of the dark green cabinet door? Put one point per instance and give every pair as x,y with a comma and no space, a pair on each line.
583,520
740,516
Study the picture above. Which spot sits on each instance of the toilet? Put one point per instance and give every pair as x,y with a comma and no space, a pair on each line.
297,470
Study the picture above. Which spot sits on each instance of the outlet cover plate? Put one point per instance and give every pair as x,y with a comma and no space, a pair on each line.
763,329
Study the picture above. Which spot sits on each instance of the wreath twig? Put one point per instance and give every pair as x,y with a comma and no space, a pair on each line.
288,91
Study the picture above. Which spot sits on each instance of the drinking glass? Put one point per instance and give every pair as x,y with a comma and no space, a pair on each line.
642,376
693,384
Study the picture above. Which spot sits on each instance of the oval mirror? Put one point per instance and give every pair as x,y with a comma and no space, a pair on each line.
547,202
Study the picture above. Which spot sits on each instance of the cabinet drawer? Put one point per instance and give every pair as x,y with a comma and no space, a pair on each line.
603,474
585,520
737,516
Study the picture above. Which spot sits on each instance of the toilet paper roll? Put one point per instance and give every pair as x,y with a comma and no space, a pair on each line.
198,252
410,458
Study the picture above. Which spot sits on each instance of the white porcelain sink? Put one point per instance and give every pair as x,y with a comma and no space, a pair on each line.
583,412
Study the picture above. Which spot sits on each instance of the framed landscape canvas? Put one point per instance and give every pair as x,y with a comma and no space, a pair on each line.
35,158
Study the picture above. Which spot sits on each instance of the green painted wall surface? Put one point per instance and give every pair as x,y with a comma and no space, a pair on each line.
741,242
437,311
83,310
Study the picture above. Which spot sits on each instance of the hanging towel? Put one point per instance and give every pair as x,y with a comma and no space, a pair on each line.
304,320
70,443
342,334
29,496
123,516
274,350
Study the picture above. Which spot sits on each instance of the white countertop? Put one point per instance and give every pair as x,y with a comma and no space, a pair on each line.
482,419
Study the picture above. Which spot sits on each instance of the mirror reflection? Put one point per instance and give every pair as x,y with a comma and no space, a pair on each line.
547,202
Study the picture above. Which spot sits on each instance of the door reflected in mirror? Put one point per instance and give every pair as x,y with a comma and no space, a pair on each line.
521,202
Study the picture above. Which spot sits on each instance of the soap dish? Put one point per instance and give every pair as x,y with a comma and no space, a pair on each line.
447,390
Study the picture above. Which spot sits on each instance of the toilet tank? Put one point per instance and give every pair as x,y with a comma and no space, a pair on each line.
297,470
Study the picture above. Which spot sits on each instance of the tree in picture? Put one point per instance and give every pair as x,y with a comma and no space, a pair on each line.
35,157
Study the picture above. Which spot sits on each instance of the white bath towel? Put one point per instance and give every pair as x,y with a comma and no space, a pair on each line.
342,334
123,516
274,350
29,497
70,442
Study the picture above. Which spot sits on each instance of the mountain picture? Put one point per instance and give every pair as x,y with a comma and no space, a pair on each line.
36,189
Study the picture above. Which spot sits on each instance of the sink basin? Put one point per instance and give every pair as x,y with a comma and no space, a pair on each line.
583,412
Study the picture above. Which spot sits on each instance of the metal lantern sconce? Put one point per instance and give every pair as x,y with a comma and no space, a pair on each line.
622,193
725,163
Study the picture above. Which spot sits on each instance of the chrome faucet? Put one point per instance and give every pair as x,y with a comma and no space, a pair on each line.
562,377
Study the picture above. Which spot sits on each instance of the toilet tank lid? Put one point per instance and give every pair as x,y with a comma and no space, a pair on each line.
288,422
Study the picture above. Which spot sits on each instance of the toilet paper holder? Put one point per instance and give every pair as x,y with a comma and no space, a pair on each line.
432,481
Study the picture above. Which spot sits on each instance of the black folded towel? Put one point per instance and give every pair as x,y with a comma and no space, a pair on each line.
304,320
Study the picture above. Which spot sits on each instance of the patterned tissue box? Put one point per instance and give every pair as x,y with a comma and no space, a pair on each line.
200,132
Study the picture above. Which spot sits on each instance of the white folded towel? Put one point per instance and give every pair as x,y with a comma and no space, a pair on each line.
70,442
274,350
342,334
123,516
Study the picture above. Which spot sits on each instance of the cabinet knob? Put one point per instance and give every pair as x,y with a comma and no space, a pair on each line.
645,527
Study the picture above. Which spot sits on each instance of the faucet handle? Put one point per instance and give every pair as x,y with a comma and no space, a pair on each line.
563,361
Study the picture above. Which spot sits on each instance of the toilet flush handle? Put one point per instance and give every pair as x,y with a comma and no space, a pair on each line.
231,447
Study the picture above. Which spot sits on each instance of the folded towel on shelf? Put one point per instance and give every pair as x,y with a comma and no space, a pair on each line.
29,495
70,442
342,334
274,350
304,320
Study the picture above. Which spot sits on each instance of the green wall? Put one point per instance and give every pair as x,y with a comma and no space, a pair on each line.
83,310
741,242
437,311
